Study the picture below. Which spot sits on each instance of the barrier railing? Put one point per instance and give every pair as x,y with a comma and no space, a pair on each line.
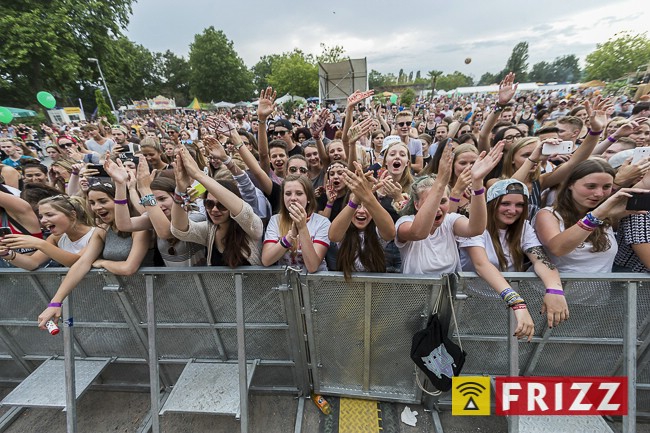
345,338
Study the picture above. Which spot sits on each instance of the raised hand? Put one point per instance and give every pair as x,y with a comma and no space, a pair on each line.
143,177
266,103
445,167
598,113
628,127
487,162
507,89
183,179
357,183
614,206
319,122
359,96
360,129
215,148
116,170
462,183
191,167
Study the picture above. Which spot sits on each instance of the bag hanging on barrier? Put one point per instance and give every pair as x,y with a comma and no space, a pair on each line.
436,355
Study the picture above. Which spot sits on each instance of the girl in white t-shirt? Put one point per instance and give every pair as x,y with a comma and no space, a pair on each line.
362,229
426,234
297,236
503,247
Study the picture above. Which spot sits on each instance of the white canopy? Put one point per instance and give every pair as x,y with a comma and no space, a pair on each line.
289,97
223,104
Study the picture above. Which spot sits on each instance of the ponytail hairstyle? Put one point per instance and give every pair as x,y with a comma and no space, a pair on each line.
419,185
70,206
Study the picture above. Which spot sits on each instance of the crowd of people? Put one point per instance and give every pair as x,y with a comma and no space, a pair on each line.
508,182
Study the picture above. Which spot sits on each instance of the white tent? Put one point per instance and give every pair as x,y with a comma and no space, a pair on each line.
289,97
223,104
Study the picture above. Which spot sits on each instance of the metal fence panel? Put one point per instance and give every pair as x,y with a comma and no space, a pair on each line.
360,333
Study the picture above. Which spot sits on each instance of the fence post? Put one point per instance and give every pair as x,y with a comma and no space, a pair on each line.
68,354
629,365
513,363
241,352
154,372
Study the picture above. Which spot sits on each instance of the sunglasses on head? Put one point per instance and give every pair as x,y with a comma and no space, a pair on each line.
210,204
294,169
280,133
400,124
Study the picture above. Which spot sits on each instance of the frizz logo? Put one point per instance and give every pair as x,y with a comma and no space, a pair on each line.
561,396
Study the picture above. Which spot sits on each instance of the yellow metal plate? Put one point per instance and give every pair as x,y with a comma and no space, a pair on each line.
358,416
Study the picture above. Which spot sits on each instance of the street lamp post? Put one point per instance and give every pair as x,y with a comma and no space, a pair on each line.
93,60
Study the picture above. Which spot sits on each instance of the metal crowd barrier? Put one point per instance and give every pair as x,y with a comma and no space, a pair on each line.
290,332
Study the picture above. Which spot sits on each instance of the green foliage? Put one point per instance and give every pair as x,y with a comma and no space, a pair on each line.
563,69
517,62
488,79
175,78
377,79
433,76
262,70
217,72
45,45
454,80
103,110
407,97
331,54
294,73
618,56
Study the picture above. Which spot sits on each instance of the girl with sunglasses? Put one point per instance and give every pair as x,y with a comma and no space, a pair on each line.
232,232
119,253
157,198
505,246
362,229
297,236
70,231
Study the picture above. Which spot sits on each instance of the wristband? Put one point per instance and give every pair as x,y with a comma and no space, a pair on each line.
285,242
588,223
329,206
74,173
584,226
227,160
612,139
238,145
55,304
125,201
555,292
353,205
533,161
454,199
596,133
521,306
594,219
479,191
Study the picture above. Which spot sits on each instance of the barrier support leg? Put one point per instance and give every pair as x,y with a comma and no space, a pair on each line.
68,353
241,353
513,362
299,414
629,345
154,369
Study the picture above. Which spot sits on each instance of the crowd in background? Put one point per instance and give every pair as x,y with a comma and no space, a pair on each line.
491,184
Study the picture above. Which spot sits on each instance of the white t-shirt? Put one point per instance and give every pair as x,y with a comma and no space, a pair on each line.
318,227
435,255
582,259
74,247
528,240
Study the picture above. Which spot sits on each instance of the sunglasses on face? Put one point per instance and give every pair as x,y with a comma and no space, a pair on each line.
210,204
65,145
280,133
401,124
302,170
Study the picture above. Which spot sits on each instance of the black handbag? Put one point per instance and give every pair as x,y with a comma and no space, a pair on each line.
436,355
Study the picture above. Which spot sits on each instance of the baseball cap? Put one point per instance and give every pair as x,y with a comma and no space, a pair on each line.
389,141
284,123
504,187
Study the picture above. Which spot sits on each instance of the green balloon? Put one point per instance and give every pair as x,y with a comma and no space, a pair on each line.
393,98
46,99
5,115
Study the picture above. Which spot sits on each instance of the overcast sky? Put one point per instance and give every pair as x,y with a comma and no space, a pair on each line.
416,35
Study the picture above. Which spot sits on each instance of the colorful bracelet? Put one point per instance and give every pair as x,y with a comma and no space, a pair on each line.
479,191
454,199
596,133
555,292
586,221
55,304
583,226
227,160
125,201
594,219
352,204
521,306
505,292
285,242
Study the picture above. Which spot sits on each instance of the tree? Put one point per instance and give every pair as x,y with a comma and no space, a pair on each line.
541,72
175,77
294,73
488,78
103,110
331,54
262,70
433,75
517,61
452,81
616,57
410,80
417,76
46,44
217,72
407,97
566,69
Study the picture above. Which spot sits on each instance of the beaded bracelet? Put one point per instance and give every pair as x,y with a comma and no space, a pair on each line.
454,199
